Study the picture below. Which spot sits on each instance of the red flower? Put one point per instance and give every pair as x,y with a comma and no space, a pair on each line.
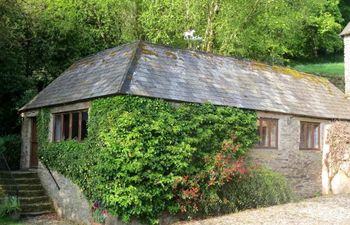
105,213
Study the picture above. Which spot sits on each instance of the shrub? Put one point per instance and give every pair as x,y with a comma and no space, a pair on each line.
259,188
9,204
10,146
139,151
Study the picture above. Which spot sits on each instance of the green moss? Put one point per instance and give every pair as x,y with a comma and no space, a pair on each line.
146,51
170,55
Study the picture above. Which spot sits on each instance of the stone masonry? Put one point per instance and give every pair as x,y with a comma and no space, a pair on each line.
303,168
347,64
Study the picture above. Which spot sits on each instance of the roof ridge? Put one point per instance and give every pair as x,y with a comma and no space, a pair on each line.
118,47
127,76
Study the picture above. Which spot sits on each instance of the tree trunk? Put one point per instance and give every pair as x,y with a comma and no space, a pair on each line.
209,33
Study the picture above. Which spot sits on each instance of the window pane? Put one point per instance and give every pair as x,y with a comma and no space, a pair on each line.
66,121
57,128
273,133
302,135
309,135
316,137
84,117
75,125
264,134
258,131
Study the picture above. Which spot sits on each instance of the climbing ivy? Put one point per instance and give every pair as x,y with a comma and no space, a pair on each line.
145,156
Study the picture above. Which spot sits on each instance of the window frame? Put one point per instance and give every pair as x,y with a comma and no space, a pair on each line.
302,123
70,129
260,120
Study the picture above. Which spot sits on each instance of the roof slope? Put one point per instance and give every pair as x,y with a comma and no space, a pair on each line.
346,31
94,76
183,75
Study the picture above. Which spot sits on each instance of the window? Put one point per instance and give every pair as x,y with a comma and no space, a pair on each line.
267,132
309,136
70,125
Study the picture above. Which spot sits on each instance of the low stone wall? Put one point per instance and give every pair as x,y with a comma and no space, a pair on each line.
303,168
336,175
69,202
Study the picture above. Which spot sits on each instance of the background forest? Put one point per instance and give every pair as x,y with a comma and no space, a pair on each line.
41,38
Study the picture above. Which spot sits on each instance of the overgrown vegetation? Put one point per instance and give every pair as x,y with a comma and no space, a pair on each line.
41,38
259,188
9,205
145,156
10,147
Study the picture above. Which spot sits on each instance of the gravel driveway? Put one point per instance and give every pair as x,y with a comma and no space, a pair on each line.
324,210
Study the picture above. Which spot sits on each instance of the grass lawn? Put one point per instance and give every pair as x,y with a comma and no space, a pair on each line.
333,71
326,69
8,221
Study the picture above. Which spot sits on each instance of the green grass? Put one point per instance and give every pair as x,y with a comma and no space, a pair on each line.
8,221
325,69
333,71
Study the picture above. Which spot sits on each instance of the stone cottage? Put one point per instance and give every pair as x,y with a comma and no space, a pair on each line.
294,109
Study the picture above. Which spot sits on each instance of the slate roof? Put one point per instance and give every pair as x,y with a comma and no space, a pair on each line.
150,70
346,31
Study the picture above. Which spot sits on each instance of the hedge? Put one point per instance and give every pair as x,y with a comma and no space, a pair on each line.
145,156
260,187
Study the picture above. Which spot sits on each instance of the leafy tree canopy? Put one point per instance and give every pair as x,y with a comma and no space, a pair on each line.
40,38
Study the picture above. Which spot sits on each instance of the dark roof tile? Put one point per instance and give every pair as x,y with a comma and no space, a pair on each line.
189,76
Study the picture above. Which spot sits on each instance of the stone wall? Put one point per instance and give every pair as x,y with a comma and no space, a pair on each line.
69,202
336,180
347,64
25,140
303,168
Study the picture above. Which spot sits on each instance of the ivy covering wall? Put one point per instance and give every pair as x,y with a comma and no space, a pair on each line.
144,156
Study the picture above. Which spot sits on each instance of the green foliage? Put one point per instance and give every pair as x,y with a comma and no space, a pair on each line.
344,7
9,204
259,188
43,120
13,81
137,149
41,38
10,146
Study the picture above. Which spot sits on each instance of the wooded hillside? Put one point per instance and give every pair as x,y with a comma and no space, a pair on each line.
41,38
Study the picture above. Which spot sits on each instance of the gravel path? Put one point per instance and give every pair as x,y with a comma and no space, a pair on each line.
50,219
324,210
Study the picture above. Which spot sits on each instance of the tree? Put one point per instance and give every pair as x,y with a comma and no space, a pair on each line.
13,79
344,7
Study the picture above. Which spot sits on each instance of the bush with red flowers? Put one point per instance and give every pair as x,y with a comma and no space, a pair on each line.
99,213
